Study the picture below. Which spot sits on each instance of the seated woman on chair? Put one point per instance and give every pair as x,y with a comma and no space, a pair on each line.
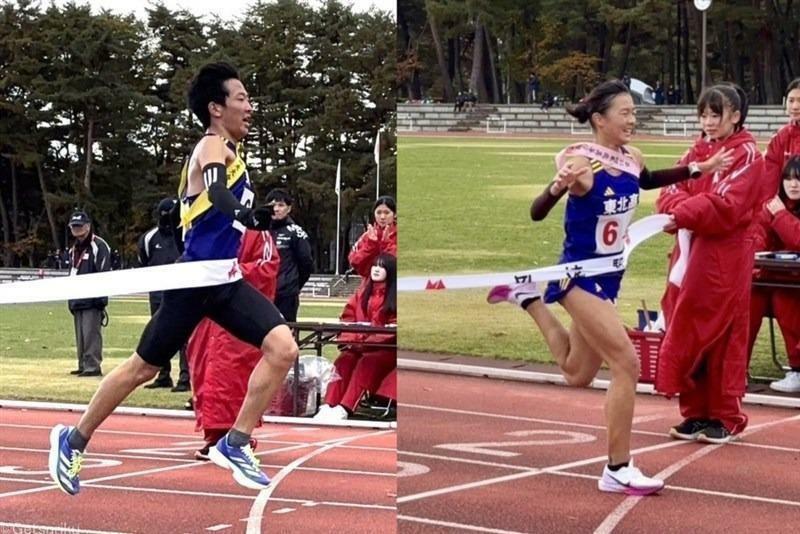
778,228
361,369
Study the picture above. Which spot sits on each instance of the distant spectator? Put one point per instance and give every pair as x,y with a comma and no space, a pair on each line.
63,256
626,80
295,252
671,95
548,101
89,254
533,87
659,94
362,369
116,260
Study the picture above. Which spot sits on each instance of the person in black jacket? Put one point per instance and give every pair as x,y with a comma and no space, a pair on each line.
89,254
295,252
157,247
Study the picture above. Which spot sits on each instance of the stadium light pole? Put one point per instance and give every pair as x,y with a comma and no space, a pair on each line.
702,6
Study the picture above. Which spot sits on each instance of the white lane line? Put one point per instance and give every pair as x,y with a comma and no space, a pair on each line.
25,527
163,469
180,460
218,527
244,497
458,526
283,510
521,418
619,513
532,472
699,491
257,509
465,460
647,418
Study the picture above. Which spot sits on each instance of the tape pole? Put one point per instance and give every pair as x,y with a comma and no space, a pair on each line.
638,232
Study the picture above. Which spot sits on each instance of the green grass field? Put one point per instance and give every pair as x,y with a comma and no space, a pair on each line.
464,207
37,350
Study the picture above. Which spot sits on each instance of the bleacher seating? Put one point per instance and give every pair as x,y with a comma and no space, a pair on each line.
763,121
329,285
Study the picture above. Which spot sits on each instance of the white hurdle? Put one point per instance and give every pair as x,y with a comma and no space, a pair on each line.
408,120
680,125
489,121
576,128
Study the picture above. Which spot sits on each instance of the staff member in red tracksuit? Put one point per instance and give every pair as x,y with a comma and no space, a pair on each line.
784,144
778,228
704,353
379,238
360,369
220,364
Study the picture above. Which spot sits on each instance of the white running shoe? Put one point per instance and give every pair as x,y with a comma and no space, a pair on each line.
513,293
323,412
329,414
628,480
789,384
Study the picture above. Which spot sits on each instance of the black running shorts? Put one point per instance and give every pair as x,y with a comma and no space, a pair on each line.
237,307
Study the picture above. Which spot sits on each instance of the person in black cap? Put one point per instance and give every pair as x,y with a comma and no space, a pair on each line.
157,247
89,254
294,250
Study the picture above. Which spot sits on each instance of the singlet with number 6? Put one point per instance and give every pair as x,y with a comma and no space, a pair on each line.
209,234
596,223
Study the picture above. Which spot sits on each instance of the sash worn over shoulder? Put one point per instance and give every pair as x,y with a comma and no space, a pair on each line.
616,159
190,212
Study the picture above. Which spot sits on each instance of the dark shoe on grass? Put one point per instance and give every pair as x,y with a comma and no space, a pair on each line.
181,387
159,384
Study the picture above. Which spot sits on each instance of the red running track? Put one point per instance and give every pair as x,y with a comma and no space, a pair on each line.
483,455
139,476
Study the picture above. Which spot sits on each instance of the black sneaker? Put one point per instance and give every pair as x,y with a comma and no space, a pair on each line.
181,387
689,430
159,384
202,454
715,432
76,372
96,372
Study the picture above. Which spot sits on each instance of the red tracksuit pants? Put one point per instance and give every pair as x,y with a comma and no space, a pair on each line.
358,373
784,305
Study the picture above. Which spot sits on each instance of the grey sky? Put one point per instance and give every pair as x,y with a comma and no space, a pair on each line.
224,8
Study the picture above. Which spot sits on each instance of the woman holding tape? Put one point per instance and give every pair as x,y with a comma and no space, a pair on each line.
706,305
603,180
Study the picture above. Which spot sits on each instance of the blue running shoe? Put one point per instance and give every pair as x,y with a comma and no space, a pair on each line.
241,460
65,462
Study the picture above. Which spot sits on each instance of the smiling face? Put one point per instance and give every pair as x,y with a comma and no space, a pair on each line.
236,114
616,124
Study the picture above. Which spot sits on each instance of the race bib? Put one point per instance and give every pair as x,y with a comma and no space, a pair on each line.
609,235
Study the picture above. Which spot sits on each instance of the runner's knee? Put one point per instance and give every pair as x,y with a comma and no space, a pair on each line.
279,347
625,362
141,370
579,380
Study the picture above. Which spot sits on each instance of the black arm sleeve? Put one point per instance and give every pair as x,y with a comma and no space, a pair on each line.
655,179
542,204
214,176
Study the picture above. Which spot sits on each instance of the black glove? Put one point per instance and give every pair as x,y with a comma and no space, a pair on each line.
256,219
